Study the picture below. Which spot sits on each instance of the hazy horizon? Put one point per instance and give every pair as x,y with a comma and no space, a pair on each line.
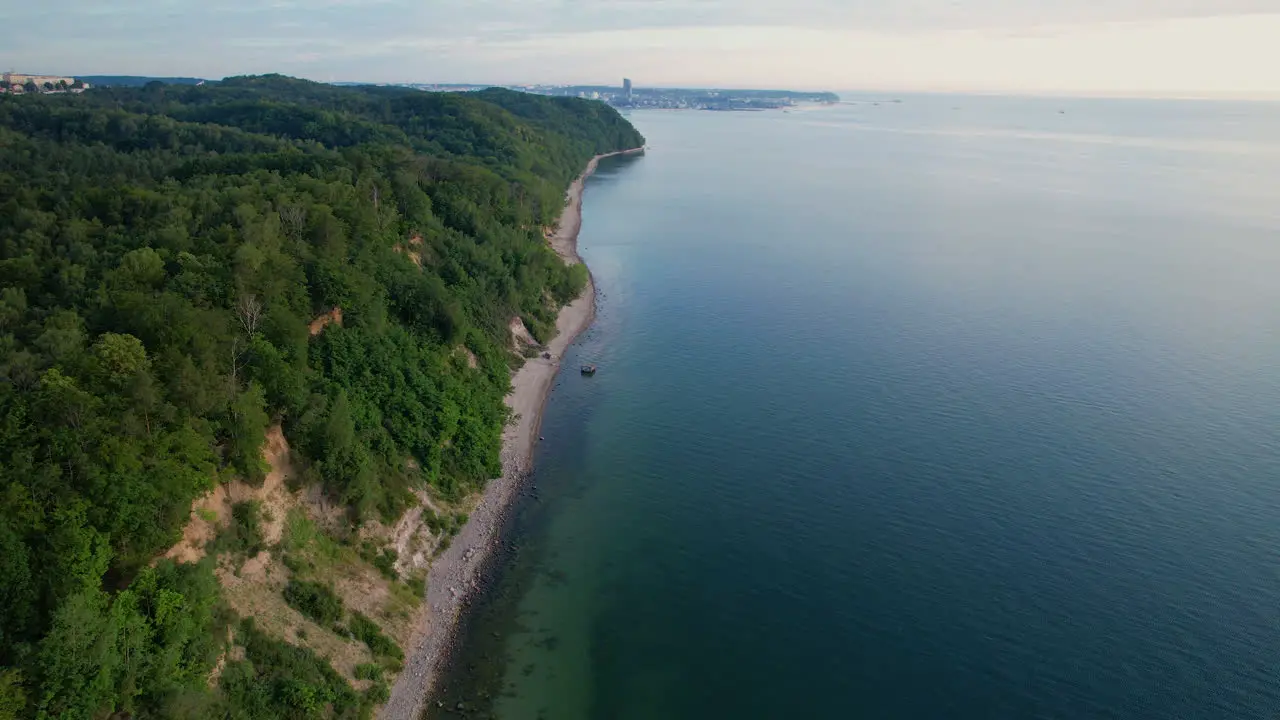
886,94
1135,48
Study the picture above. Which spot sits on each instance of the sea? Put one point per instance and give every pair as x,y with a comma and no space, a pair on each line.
914,406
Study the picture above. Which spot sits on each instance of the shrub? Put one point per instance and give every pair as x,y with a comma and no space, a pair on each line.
244,535
449,525
277,679
417,582
385,561
377,693
293,563
432,520
368,632
314,600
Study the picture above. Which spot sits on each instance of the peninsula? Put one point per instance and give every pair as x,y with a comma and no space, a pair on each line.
260,338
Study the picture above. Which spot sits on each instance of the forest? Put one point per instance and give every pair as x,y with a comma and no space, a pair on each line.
164,251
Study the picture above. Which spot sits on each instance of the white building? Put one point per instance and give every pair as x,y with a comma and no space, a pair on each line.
22,79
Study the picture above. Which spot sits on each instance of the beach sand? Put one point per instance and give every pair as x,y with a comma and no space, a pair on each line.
454,574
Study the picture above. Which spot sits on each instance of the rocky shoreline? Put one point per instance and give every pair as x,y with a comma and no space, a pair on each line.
456,573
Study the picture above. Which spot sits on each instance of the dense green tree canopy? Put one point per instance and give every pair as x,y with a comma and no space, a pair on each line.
163,252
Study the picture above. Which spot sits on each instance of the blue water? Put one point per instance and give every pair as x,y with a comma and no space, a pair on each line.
959,407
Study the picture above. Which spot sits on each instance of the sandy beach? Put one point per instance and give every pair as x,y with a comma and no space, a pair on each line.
454,574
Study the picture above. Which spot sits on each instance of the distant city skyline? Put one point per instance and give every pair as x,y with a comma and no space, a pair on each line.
1125,47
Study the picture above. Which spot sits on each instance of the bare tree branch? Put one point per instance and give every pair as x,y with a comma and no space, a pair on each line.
237,351
294,218
249,311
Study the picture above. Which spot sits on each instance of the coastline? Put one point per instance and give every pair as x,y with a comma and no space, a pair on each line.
454,575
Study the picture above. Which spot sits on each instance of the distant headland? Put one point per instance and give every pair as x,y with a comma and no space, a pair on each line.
622,96
628,96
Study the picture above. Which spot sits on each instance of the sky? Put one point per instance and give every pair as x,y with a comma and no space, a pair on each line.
1105,47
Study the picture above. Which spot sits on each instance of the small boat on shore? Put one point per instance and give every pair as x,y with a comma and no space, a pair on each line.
588,369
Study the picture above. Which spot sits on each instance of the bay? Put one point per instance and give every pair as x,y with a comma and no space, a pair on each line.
955,407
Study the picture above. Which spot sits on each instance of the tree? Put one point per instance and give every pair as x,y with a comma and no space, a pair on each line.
13,699
78,659
19,592
61,402
13,305
120,357
248,425
63,338
141,268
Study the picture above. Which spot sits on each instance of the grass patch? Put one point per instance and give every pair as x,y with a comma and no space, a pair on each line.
417,583
401,601
208,515
309,550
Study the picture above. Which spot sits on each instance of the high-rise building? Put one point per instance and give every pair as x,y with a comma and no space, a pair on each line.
626,88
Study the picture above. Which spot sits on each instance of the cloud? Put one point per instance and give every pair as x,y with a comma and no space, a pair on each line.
572,16
735,41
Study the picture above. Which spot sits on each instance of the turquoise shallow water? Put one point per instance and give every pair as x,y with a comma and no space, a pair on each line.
959,407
